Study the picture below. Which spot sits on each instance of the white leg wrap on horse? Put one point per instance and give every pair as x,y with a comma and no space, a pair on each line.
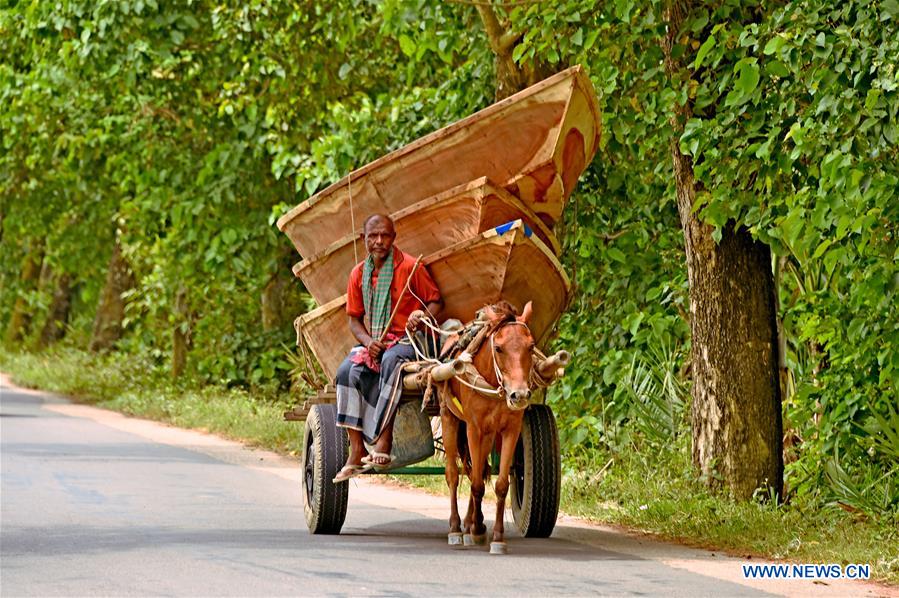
497,548
454,538
467,540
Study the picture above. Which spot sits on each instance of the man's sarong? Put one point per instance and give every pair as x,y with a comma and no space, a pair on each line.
366,399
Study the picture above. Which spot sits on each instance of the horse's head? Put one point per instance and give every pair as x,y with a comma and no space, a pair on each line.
512,346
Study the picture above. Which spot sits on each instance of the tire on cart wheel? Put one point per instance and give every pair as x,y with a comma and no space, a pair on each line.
324,453
535,479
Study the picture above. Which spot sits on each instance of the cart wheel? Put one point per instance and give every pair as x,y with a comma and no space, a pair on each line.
324,453
536,474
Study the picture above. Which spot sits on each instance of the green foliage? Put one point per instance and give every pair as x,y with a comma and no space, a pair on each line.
793,136
658,395
186,128
658,493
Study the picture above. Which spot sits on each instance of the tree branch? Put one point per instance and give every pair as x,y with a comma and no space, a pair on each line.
495,31
609,237
508,40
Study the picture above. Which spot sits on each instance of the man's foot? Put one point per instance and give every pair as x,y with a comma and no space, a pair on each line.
377,458
350,471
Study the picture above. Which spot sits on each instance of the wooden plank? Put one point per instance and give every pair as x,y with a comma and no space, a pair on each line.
301,412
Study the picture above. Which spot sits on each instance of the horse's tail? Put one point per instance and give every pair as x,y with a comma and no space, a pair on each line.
462,447
465,453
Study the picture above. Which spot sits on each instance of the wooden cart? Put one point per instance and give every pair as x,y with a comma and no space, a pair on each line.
534,481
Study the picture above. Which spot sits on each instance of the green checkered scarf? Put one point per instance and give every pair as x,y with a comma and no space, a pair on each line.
377,303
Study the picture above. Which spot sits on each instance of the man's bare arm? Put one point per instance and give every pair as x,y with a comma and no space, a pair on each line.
357,327
434,308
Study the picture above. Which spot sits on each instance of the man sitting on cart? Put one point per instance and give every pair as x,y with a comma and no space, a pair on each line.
383,292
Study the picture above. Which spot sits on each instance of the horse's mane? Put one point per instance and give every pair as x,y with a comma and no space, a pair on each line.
496,314
501,312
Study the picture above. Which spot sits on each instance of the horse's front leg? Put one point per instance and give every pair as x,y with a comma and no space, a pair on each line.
479,445
508,441
450,427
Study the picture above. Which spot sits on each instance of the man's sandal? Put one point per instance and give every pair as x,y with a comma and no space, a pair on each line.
370,459
350,471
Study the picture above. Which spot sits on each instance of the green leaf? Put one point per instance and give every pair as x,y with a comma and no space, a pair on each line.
774,44
821,248
704,49
407,45
518,52
776,68
635,323
871,99
616,254
748,79
578,38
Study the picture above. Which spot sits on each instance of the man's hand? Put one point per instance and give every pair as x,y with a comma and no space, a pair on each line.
414,321
375,348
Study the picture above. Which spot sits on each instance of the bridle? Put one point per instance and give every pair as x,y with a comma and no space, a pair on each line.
501,387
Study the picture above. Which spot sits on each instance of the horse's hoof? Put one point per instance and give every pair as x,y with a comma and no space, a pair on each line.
479,540
467,540
454,539
497,548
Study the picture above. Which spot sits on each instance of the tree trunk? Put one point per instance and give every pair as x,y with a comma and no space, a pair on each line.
281,299
20,320
180,334
737,428
111,309
58,315
510,77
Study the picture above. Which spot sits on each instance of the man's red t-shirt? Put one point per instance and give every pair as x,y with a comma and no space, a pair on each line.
422,285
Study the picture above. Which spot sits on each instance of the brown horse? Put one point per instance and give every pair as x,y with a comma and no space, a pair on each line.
490,399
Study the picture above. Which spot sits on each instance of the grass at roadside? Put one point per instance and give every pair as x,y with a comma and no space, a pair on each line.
136,388
656,494
663,497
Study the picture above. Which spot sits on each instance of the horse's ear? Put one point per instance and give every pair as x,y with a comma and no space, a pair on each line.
526,313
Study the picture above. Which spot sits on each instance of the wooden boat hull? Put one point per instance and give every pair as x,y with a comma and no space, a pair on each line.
423,229
535,144
505,263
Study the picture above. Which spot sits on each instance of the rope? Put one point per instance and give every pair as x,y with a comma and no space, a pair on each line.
349,188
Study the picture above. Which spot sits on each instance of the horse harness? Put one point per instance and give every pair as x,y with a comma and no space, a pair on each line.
477,331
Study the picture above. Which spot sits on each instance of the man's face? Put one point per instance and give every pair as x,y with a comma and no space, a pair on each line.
379,236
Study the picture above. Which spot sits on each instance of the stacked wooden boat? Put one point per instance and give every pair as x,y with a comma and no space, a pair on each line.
477,198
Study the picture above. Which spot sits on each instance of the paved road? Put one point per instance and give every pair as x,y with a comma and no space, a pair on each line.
96,504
